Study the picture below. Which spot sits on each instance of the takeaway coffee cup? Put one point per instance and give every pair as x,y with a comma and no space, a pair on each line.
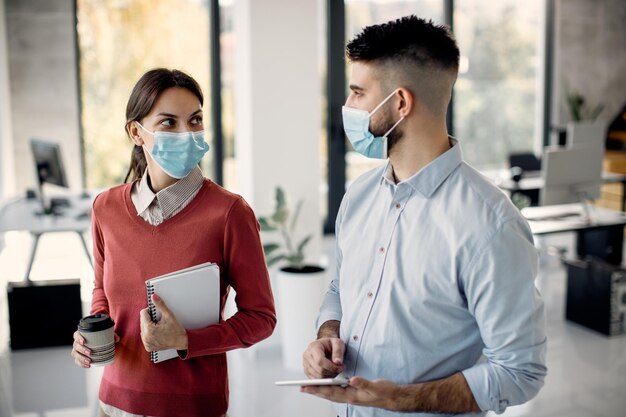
97,330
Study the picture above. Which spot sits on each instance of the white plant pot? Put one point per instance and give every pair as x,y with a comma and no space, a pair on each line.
300,296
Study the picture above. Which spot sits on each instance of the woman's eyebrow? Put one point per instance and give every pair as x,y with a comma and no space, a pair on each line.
167,115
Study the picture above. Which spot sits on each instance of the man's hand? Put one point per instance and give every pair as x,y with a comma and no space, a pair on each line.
379,393
168,333
451,395
324,358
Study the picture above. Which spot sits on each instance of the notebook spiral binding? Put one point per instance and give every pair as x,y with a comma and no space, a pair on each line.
154,356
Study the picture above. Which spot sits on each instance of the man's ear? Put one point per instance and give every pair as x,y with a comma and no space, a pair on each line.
407,101
133,133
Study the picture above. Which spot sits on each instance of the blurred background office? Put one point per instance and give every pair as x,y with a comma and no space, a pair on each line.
274,78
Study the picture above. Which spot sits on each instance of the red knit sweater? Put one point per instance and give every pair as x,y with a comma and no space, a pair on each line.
217,226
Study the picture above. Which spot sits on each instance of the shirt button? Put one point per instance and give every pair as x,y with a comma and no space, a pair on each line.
398,205
355,338
381,250
370,295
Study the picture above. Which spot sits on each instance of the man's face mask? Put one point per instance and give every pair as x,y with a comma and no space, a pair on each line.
356,124
177,154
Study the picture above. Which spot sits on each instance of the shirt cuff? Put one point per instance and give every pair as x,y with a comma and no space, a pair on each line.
485,388
330,310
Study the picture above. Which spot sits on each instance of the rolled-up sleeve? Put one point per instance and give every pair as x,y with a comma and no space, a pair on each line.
501,295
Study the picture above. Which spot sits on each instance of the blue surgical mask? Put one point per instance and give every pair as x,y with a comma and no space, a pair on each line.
177,154
356,124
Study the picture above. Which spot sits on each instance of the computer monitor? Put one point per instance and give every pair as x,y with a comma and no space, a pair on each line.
48,168
571,175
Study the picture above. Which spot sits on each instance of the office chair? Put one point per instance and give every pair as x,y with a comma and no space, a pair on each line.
526,161
520,165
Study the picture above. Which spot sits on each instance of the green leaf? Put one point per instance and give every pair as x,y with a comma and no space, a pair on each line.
596,111
266,224
281,216
296,261
281,201
275,259
296,214
304,242
269,248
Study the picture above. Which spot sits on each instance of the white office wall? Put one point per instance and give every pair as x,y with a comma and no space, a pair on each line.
7,183
590,55
43,83
278,106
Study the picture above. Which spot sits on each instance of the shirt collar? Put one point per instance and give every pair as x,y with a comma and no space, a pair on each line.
169,198
428,179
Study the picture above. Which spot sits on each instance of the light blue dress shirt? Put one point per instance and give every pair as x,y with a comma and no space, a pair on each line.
435,275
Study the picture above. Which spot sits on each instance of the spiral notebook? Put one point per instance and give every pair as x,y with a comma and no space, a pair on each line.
193,296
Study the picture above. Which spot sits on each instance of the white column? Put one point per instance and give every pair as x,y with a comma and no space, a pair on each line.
278,107
7,167
43,87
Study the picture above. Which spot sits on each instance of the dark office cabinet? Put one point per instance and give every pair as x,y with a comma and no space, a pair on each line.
605,243
596,296
43,313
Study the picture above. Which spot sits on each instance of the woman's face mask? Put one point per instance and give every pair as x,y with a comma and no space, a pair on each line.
177,154
356,124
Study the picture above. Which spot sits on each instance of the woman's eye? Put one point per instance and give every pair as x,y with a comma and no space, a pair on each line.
168,122
196,121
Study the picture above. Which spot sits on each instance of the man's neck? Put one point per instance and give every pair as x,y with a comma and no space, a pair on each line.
416,150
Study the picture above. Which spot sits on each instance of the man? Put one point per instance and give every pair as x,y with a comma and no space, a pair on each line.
433,307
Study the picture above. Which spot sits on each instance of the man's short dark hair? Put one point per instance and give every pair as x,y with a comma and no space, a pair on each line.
422,49
409,37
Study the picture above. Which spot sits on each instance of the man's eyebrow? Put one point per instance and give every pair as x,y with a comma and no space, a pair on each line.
355,87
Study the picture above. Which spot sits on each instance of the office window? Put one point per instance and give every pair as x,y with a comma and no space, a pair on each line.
227,59
361,13
118,41
496,94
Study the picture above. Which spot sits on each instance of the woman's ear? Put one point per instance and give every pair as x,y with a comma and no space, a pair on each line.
133,133
407,101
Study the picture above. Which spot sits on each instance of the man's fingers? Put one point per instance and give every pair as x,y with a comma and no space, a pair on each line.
338,350
116,338
359,383
320,366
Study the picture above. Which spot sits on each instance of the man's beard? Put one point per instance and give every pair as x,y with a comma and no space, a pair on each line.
381,128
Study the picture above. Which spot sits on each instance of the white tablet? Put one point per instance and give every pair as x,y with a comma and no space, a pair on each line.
339,380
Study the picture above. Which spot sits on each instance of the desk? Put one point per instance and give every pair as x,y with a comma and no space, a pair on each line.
20,215
502,178
601,237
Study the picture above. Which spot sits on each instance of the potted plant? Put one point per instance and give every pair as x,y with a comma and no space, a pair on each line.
584,121
300,287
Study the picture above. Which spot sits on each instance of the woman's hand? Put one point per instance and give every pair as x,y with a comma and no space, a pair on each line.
168,333
81,353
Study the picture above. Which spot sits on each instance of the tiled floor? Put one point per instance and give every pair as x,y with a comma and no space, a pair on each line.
587,371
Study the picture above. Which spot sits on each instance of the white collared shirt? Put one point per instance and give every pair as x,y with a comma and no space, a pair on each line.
156,208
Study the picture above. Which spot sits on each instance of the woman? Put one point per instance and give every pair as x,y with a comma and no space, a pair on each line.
169,217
